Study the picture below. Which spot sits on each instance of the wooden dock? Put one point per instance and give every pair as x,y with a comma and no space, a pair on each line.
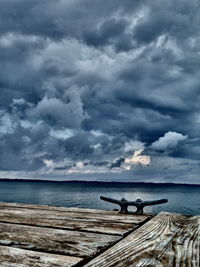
44,236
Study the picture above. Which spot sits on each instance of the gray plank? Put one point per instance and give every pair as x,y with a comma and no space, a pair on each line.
72,243
16,257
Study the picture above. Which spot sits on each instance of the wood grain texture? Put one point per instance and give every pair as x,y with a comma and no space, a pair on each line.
166,240
15,257
66,242
72,218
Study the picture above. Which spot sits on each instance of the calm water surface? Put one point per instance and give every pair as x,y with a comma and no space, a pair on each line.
182,198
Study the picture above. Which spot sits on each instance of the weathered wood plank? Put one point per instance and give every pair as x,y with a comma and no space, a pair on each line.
44,207
73,243
89,213
106,227
184,248
75,220
16,257
166,240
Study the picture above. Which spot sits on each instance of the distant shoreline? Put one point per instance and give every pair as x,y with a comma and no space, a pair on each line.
93,182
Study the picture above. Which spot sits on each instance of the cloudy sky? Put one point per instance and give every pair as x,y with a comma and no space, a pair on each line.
100,90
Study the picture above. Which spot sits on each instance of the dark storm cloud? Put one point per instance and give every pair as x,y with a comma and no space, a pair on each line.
63,168
16,153
167,18
100,163
84,81
117,163
110,32
58,19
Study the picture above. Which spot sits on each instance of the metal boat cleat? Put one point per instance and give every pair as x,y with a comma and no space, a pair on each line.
139,204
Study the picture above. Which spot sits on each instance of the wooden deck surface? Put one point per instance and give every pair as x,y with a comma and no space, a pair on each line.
32,235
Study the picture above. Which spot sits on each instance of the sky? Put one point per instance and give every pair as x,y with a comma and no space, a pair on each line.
100,90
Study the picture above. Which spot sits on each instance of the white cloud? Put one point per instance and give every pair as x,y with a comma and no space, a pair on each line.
7,125
81,168
19,101
133,145
168,141
62,133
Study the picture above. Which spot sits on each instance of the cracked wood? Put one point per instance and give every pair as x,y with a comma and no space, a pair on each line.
166,240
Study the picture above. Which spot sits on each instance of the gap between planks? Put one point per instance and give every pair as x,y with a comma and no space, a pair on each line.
72,243
110,222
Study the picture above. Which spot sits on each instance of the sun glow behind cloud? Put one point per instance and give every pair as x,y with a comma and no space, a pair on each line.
136,159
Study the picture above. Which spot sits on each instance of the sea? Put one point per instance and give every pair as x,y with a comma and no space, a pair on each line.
184,199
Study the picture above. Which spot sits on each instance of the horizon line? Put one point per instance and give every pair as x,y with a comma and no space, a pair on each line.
93,181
